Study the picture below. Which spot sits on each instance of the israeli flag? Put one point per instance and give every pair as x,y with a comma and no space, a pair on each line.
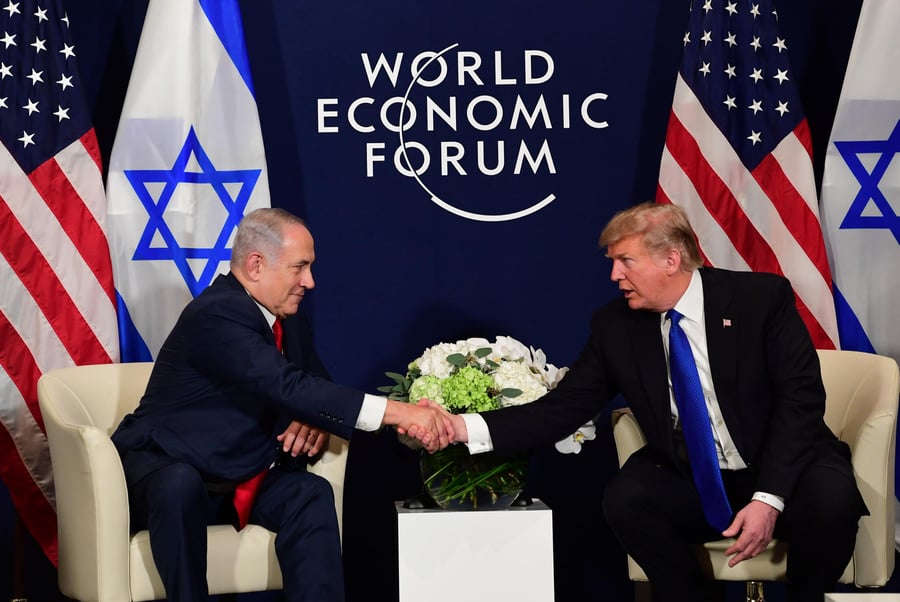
861,192
187,164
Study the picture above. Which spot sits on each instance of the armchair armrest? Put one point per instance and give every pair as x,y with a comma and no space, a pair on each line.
332,465
628,435
92,504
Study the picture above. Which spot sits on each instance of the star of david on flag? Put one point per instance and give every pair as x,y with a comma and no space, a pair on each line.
861,187
871,209
861,190
187,164
179,175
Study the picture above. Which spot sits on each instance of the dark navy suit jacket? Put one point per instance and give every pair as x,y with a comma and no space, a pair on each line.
219,390
764,368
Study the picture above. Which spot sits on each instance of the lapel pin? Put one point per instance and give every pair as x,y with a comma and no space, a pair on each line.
726,322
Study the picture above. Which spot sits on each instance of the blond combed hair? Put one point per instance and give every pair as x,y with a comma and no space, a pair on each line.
662,227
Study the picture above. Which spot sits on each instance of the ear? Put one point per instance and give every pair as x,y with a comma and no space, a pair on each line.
253,265
673,261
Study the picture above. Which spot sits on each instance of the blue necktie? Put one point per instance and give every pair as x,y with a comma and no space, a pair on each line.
696,427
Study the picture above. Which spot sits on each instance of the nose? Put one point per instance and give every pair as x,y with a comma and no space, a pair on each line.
308,281
616,273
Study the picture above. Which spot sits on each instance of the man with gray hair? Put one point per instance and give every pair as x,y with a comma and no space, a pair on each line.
238,365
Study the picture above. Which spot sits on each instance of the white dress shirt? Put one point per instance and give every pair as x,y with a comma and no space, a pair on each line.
691,307
694,326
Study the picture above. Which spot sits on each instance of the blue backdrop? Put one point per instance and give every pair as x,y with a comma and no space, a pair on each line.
527,104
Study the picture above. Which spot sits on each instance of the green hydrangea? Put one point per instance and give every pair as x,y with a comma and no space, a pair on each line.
428,387
467,391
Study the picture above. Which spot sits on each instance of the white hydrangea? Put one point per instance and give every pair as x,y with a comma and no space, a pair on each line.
518,367
517,375
434,362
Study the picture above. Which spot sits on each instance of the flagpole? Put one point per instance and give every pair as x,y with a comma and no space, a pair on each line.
18,560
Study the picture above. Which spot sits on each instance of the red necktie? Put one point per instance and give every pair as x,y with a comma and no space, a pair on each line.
278,333
245,492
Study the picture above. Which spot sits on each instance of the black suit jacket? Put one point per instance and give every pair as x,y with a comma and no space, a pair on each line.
764,367
219,388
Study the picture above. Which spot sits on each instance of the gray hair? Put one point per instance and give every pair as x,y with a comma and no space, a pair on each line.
262,231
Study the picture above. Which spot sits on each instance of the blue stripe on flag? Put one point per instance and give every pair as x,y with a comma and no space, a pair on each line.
225,18
853,335
131,343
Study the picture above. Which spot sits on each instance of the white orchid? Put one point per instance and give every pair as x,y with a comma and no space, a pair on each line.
509,348
552,375
572,444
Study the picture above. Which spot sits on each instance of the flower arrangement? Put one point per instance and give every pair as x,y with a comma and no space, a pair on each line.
476,375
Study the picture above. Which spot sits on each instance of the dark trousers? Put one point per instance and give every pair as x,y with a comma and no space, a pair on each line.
655,511
174,503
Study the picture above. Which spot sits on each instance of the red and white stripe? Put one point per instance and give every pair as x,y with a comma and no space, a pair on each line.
57,308
764,220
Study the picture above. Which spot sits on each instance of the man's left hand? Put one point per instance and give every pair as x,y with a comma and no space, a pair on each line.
299,438
753,526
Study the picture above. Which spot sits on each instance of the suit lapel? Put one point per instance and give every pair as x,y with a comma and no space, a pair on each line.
650,358
231,281
723,323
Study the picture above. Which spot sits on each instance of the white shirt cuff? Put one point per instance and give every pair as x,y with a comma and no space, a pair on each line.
371,413
775,501
479,435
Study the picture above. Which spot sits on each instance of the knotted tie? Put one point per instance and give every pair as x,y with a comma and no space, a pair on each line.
278,333
695,424
245,492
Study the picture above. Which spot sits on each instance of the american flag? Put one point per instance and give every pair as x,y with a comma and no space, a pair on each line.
57,305
738,155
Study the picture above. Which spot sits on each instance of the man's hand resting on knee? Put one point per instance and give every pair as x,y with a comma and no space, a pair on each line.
753,526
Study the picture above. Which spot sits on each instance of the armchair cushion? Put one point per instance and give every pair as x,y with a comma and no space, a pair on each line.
862,392
99,558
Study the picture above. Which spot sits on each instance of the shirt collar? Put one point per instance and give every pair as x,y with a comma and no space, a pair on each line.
269,316
691,303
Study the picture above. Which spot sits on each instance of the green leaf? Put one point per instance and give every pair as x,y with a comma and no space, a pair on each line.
510,393
484,351
456,359
397,378
386,389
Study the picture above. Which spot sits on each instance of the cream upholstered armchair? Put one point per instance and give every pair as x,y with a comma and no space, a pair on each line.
100,559
862,391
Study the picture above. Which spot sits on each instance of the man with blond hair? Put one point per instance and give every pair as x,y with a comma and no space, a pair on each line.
751,459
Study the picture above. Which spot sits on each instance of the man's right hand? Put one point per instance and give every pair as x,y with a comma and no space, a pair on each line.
457,422
428,423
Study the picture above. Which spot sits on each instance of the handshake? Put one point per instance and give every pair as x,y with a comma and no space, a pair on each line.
427,423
